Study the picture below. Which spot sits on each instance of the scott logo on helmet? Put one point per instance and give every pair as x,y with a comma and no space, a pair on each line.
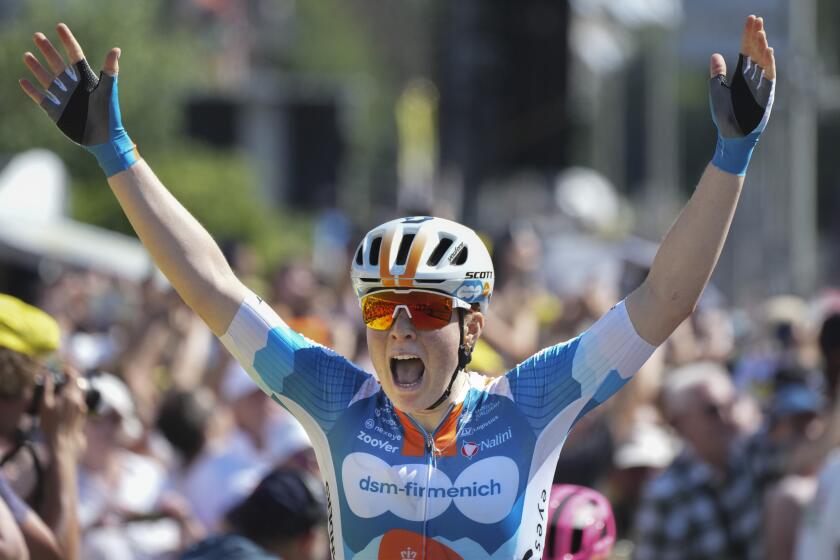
482,274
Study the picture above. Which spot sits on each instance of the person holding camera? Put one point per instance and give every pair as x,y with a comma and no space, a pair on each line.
41,438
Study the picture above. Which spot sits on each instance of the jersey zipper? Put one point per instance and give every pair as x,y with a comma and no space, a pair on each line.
430,464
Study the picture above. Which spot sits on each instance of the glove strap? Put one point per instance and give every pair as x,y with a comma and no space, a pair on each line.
117,155
733,154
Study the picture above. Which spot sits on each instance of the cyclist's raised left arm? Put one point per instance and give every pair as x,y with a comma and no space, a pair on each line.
690,250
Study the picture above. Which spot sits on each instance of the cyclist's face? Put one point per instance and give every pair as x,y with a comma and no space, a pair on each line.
414,366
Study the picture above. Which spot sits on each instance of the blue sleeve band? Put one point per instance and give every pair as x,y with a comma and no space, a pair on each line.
733,154
117,155
119,152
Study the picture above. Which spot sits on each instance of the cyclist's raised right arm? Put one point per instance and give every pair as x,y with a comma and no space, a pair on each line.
180,246
86,109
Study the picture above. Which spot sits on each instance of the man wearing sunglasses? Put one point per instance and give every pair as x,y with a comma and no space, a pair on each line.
424,460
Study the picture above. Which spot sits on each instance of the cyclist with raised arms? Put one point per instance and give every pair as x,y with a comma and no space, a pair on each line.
424,460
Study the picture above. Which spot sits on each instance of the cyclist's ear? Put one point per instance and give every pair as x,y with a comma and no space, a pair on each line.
473,325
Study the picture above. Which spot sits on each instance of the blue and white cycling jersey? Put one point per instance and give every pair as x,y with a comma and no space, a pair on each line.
475,488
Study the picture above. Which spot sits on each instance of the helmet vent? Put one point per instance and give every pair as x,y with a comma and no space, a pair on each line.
437,254
359,256
461,257
405,245
374,251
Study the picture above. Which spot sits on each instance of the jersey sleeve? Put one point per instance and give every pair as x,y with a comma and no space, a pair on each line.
576,376
293,370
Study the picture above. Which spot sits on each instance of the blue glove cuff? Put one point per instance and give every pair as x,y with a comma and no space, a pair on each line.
733,154
116,155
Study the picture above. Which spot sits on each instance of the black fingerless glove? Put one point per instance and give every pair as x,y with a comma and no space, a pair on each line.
86,109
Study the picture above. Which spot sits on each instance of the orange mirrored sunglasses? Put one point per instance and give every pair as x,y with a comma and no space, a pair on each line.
425,310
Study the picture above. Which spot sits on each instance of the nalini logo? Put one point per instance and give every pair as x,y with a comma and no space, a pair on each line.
469,449
408,554
498,439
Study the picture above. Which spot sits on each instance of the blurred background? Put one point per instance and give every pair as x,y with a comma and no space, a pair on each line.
569,133
269,118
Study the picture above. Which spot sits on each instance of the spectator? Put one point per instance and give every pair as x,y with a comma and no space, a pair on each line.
13,512
23,534
27,337
707,503
208,475
819,536
830,349
819,531
793,417
261,429
643,455
116,485
284,518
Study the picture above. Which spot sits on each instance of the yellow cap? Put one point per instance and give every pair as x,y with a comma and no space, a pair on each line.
26,329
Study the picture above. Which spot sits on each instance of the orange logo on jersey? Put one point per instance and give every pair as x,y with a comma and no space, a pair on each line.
399,544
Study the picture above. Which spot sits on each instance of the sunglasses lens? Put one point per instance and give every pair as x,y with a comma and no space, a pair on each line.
377,313
427,311
430,311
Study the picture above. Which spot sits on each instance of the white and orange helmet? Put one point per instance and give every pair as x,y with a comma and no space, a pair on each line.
424,253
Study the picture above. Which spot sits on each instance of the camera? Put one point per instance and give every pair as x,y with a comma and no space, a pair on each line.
93,398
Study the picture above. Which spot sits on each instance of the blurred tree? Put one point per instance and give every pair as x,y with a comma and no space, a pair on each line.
160,65
342,39
157,62
503,74
220,190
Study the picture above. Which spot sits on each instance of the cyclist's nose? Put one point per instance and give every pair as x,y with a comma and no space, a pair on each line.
403,327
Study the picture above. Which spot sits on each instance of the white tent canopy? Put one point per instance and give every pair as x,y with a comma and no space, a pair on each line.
34,224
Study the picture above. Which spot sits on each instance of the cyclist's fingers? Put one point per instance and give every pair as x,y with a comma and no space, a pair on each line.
44,78
761,46
756,36
112,62
54,59
31,91
770,69
71,46
717,65
746,36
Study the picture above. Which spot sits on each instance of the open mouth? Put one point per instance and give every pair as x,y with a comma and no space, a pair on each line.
407,371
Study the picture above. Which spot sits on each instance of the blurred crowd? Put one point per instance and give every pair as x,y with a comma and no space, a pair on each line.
146,441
